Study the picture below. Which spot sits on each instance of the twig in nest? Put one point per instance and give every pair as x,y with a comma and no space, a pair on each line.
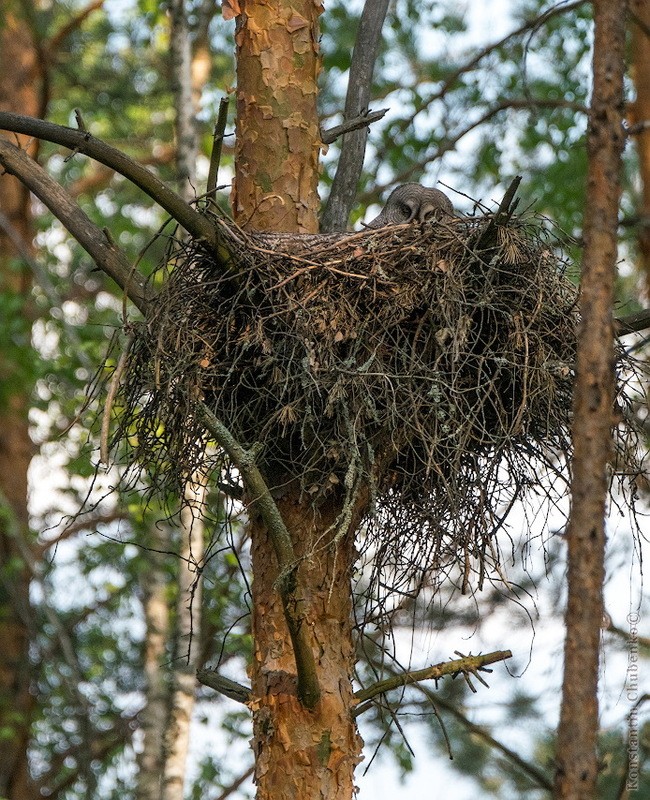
113,386
215,156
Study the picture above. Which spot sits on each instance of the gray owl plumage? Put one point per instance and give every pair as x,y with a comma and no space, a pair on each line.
409,202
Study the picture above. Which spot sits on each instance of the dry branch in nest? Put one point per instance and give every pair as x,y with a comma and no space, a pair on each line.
429,366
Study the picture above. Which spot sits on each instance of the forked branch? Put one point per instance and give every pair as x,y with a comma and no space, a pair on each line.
108,257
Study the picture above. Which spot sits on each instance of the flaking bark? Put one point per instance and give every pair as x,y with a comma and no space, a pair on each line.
576,755
278,133
300,752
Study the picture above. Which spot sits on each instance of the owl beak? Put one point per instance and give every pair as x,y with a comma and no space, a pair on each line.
426,210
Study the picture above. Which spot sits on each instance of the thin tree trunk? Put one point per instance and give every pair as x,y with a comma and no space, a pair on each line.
576,756
640,112
188,633
188,609
186,137
154,715
18,92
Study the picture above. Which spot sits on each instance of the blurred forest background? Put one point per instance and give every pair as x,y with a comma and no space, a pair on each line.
474,97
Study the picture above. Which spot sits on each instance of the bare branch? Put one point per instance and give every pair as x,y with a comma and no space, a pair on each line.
362,121
75,22
260,498
232,689
194,223
217,143
540,778
638,127
114,385
236,783
465,665
448,144
73,528
633,323
529,26
353,148
105,254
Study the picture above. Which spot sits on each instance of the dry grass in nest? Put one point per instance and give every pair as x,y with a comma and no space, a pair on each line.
433,364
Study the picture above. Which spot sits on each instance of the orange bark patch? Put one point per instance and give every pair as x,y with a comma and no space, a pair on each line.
278,135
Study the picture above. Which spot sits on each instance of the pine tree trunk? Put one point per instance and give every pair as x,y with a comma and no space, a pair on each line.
299,753
576,754
18,92
277,133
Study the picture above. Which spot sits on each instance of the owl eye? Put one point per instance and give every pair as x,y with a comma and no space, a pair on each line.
407,211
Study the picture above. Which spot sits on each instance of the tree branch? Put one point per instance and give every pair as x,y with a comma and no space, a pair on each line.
236,783
353,148
261,500
477,730
448,144
232,689
106,255
75,22
198,226
632,323
465,665
529,26
72,529
501,216
362,121
217,144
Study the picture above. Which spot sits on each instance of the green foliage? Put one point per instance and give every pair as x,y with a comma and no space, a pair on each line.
529,91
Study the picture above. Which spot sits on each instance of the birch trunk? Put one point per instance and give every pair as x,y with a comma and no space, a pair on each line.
186,138
154,715
188,611
188,632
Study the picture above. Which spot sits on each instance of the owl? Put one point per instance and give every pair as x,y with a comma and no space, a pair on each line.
409,202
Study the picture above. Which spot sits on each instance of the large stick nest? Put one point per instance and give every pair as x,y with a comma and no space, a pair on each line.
431,364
